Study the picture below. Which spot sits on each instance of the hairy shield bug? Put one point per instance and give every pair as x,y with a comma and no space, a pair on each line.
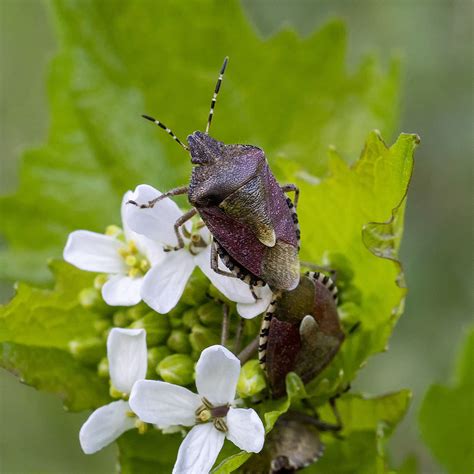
253,224
300,331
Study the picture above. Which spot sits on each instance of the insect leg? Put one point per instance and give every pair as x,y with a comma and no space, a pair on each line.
215,263
182,220
214,97
288,188
171,192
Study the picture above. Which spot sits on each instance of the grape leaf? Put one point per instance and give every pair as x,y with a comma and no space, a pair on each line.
291,96
446,416
36,328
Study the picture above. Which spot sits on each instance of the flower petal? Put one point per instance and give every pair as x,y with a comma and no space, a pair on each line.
155,223
165,282
249,311
164,404
246,429
217,372
149,248
199,450
105,425
121,290
232,288
94,252
127,354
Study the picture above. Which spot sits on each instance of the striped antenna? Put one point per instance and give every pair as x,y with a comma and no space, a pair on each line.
216,91
166,129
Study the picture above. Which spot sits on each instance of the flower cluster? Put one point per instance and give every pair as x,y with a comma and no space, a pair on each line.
141,265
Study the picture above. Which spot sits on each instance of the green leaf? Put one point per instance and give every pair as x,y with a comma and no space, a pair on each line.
149,453
291,96
367,422
36,328
446,416
349,220
55,371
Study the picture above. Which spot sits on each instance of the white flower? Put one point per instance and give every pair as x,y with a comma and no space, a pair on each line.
127,354
210,413
163,291
125,257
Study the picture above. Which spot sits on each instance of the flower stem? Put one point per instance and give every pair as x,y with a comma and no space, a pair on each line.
249,351
225,325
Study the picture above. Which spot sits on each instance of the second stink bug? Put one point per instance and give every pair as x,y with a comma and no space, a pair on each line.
254,225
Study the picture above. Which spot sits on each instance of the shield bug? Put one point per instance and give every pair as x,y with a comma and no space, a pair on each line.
293,444
300,331
254,225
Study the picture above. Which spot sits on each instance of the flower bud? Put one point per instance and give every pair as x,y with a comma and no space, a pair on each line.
88,351
190,318
90,298
175,316
138,311
202,337
196,290
178,341
99,281
156,326
155,355
177,369
101,325
121,319
103,368
251,379
210,313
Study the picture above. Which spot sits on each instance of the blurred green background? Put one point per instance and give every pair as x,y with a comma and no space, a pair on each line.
434,40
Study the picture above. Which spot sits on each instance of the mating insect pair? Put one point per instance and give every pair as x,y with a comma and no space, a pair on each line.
254,225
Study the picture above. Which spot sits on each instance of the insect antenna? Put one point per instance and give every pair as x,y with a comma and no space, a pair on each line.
166,129
216,91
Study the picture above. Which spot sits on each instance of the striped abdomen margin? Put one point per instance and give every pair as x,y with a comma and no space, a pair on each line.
267,318
326,281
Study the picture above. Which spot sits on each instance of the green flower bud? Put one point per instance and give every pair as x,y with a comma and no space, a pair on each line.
251,380
202,337
176,315
190,318
99,281
155,356
177,369
156,326
88,351
196,290
90,298
138,311
120,319
210,313
101,325
103,368
178,341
